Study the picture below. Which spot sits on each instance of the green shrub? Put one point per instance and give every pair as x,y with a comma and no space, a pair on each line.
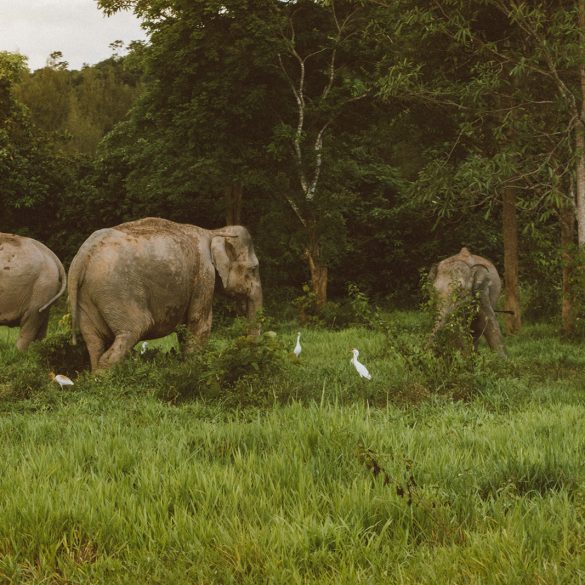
57,353
250,356
232,371
353,310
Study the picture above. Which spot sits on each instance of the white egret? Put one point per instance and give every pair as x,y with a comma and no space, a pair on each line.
297,350
61,380
143,347
361,369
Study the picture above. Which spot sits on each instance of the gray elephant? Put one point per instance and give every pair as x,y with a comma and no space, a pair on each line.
142,279
32,278
473,275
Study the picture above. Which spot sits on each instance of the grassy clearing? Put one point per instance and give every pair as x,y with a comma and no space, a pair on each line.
307,475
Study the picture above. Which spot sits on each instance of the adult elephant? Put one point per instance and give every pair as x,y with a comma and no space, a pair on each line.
472,275
32,278
142,279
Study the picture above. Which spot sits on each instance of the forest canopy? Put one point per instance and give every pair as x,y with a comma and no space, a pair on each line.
359,141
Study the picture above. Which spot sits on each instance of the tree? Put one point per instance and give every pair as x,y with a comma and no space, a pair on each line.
255,95
509,83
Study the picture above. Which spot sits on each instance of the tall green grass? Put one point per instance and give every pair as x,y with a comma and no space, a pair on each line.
304,475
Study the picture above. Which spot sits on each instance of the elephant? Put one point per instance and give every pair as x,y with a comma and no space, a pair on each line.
32,278
142,279
474,275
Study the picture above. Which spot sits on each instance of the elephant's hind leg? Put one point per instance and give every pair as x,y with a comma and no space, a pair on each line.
94,339
122,345
42,332
95,347
33,327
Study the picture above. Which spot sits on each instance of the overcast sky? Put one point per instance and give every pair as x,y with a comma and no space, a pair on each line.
36,28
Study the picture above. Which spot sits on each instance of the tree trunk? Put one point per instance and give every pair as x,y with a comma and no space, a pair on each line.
233,203
318,269
567,220
580,183
580,146
510,234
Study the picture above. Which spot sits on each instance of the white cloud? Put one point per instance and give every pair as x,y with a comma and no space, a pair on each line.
77,28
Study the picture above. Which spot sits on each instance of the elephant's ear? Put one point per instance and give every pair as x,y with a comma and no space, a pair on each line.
223,253
480,277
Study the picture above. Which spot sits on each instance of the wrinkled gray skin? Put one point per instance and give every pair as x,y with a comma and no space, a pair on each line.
32,278
475,275
142,279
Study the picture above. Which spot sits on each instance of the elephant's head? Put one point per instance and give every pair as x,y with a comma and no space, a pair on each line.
455,282
233,256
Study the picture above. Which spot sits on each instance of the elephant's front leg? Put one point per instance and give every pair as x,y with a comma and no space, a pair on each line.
198,326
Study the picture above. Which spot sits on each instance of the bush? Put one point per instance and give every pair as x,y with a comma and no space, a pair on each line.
353,310
57,353
232,371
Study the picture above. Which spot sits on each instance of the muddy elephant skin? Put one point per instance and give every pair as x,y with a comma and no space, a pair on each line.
142,279
473,275
32,278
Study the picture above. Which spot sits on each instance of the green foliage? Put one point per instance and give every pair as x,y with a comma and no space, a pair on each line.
61,357
307,306
232,372
250,356
78,108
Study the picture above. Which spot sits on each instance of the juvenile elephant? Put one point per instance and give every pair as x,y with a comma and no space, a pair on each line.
32,278
142,279
473,275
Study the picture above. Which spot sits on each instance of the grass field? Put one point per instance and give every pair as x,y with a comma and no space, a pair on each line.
303,475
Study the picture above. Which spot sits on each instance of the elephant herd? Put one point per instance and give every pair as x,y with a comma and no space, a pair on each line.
146,278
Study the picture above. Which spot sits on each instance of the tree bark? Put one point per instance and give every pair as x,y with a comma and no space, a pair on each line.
580,183
233,203
319,271
580,146
510,236
567,221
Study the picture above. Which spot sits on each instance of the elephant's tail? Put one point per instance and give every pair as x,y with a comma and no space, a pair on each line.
62,277
76,273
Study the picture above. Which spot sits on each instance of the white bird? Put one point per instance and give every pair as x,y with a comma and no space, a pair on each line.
297,350
361,369
61,380
143,347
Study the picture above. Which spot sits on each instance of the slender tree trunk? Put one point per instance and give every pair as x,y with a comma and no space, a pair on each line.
510,235
233,203
318,269
580,146
580,183
567,221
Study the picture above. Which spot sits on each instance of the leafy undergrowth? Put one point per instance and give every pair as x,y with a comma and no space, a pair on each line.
245,464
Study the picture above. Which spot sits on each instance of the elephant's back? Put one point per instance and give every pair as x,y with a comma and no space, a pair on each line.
140,267
27,278
21,256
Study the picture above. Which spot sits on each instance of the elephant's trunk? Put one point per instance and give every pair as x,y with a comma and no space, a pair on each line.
254,305
446,309
444,314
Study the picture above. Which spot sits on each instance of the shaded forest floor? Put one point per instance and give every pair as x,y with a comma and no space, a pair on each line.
293,471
